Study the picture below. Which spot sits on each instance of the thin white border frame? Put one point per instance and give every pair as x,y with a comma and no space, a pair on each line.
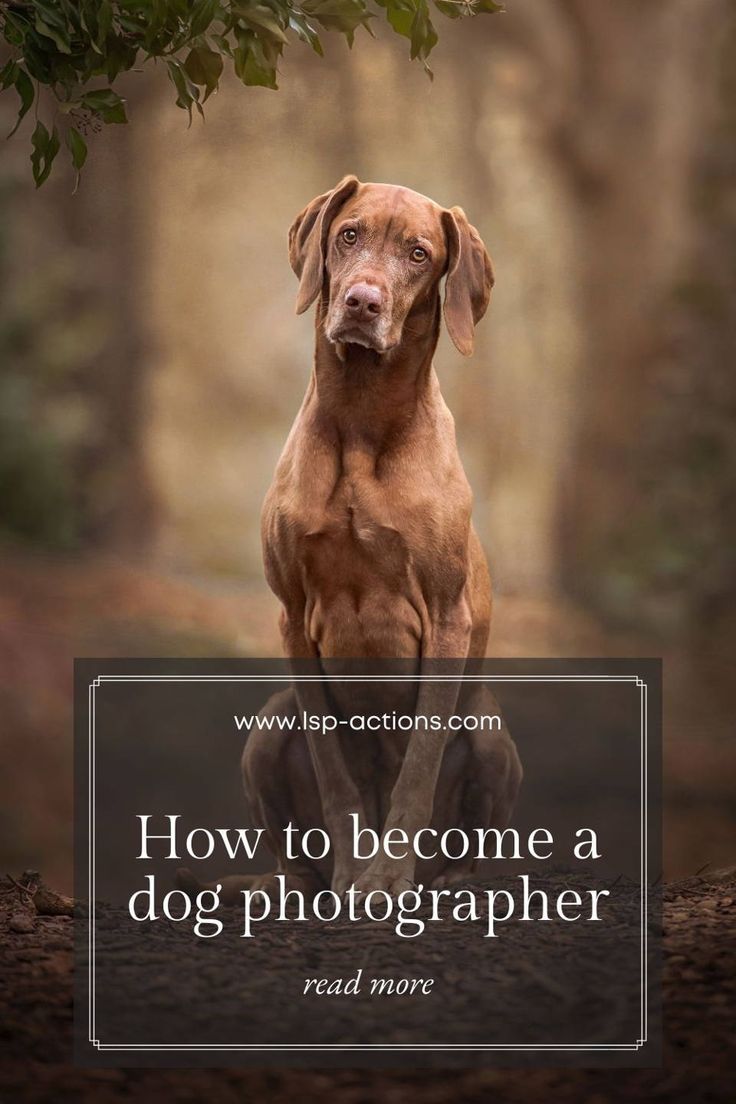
369,1047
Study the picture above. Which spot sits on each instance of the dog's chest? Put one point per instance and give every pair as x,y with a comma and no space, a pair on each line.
357,527
357,571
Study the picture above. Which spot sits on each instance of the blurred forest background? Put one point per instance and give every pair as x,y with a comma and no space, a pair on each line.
151,364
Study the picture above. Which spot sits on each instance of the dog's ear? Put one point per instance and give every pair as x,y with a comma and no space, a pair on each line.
308,240
469,279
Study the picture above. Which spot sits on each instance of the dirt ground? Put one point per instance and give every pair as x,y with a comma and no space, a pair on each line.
699,992
52,611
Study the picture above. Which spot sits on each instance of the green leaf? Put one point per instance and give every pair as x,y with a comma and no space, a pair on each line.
45,148
50,24
400,17
39,57
490,7
263,18
450,8
8,74
24,88
339,15
104,24
107,104
119,57
77,147
204,67
457,10
423,34
257,74
256,59
16,28
306,32
224,45
187,91
202,15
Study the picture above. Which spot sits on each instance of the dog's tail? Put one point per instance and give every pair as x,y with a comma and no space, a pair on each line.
232,885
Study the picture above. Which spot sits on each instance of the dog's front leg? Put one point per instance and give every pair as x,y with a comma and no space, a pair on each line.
412,798
339,795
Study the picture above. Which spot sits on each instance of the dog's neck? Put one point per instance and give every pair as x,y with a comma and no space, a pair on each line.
362,391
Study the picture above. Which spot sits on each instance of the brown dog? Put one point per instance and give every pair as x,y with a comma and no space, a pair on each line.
367,535
369,545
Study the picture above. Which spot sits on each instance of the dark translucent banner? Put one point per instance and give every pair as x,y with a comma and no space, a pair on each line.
365,865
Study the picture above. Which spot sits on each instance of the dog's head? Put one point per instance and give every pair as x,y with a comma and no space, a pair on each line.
378,252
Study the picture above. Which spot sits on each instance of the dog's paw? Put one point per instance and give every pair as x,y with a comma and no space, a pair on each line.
347,874
452,877
393,879
187,883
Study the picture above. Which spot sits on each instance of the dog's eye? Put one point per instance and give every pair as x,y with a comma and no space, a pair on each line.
350,236
418,254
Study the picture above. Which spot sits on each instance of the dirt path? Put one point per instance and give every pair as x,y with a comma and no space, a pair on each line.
699,996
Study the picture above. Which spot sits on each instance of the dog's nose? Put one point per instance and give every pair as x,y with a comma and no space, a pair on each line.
364,301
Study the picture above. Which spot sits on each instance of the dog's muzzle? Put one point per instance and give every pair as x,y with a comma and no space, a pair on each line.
361,318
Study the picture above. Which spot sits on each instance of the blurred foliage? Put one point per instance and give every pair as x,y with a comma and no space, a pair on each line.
47,337
672,564
64,46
